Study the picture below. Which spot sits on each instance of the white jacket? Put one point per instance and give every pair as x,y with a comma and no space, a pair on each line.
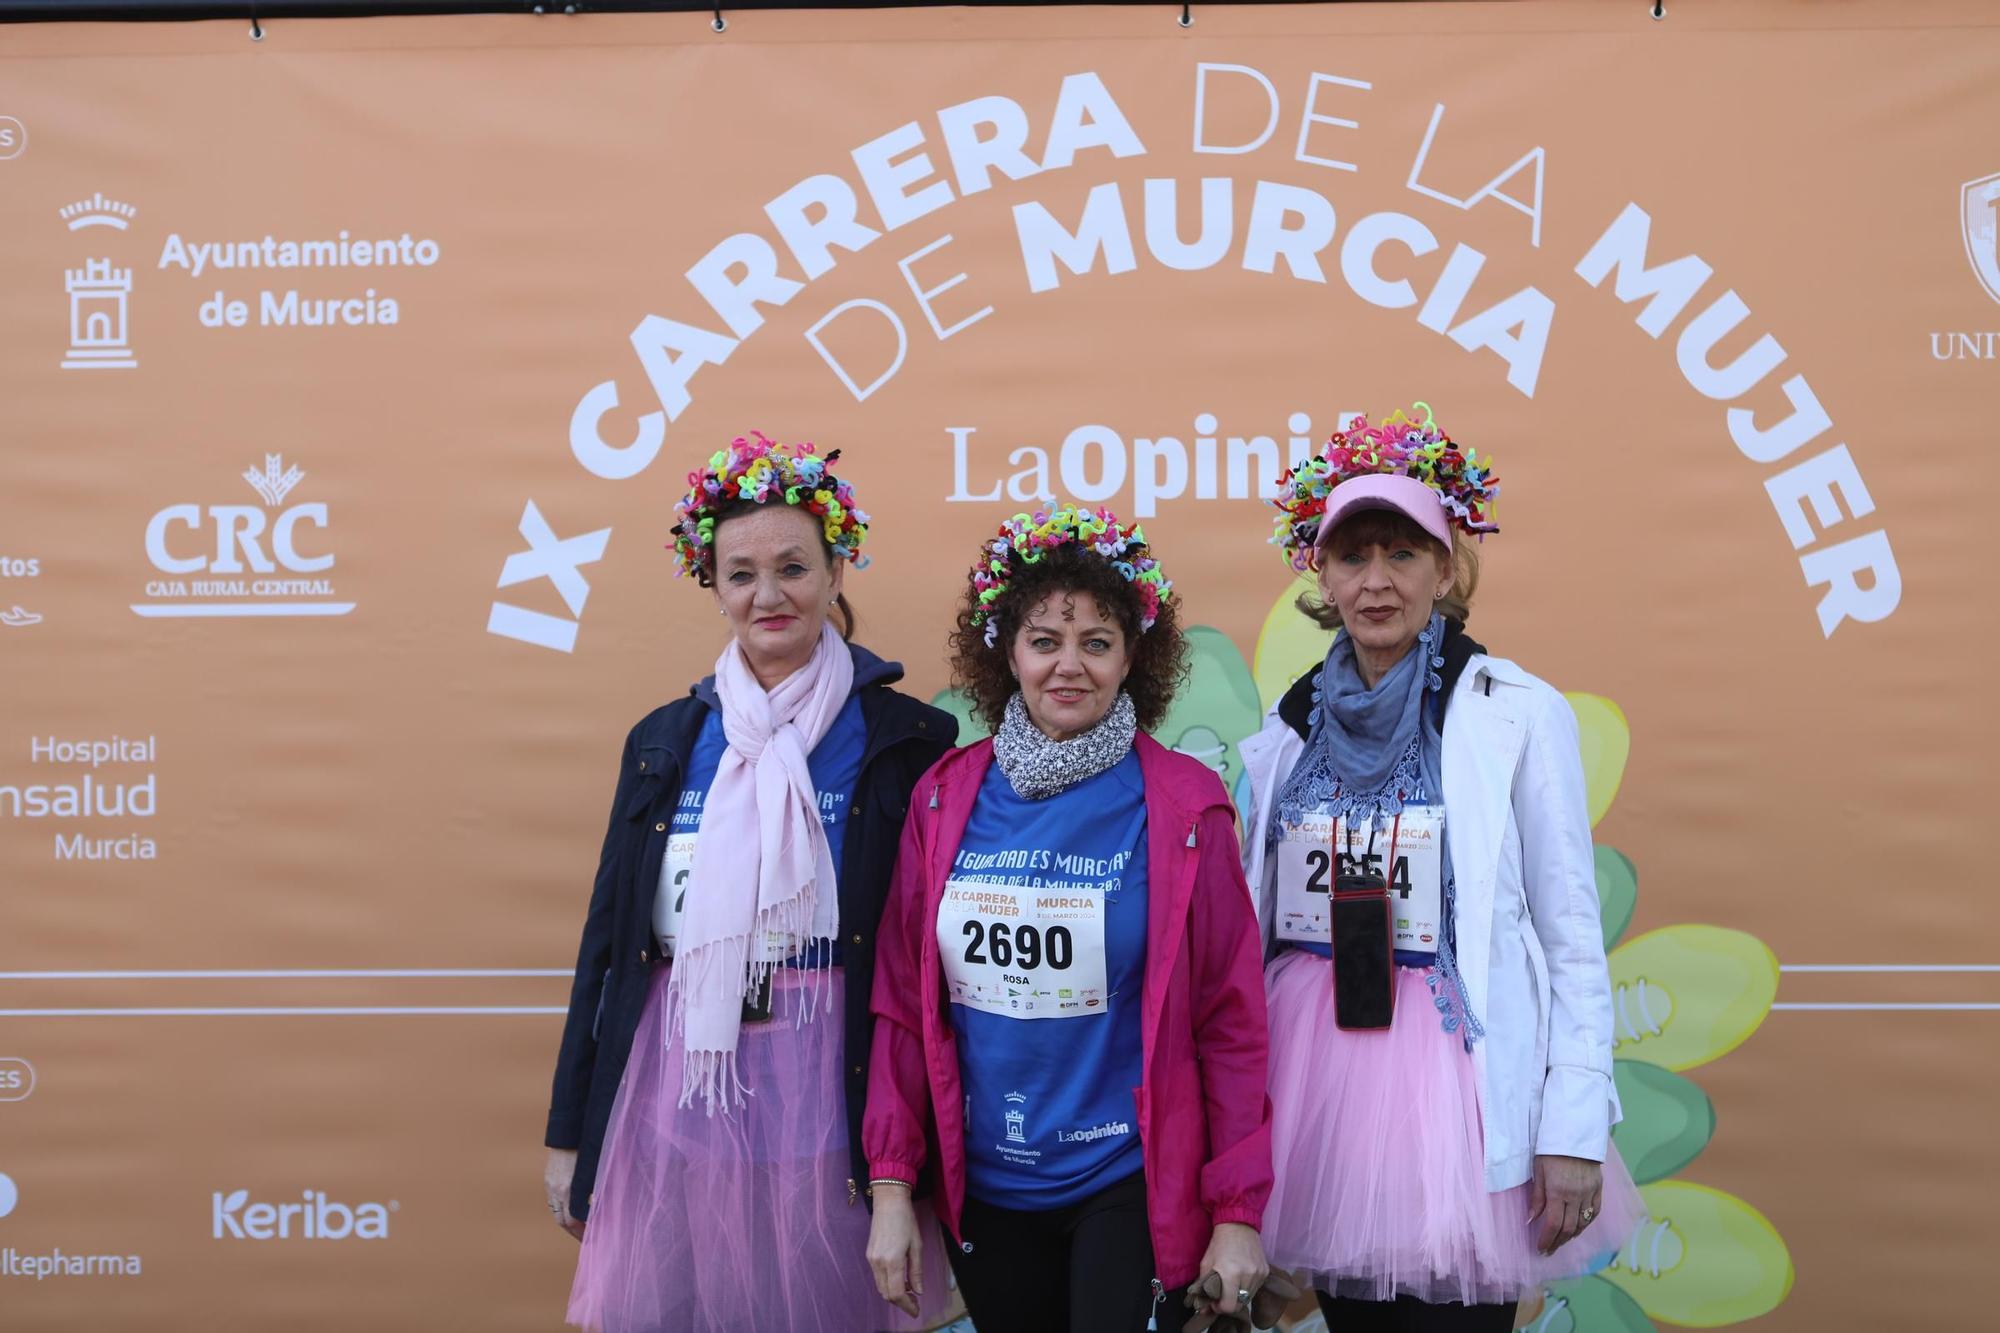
1530,946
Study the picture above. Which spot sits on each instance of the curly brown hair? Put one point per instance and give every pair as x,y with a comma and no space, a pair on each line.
1159,655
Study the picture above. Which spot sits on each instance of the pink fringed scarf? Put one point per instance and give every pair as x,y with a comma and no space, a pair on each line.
763,877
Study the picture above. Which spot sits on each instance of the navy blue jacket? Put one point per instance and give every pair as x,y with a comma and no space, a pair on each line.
904,737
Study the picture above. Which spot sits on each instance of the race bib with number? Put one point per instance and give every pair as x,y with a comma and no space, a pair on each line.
1023,953
1408,852
670,903
671,900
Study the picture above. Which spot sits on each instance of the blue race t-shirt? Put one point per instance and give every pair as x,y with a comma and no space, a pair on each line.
1043,932
835,765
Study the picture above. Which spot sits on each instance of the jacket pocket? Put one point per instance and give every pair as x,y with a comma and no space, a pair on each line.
891,808
1538,985
603,993
1538,976
641,800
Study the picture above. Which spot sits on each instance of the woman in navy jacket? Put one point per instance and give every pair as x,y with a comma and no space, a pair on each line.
713,1193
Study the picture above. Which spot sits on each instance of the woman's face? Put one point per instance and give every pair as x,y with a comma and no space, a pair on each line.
775,580
1070,657
1385,589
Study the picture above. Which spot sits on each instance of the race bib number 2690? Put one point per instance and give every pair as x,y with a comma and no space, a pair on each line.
1021,952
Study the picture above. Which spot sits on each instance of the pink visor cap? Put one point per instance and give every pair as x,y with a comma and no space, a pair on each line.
1405,495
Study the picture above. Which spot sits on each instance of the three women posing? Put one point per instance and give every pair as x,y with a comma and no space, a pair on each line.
1069,1036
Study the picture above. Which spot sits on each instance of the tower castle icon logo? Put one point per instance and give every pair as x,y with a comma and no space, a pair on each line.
1016,1120
1979,223
242,559
99,305
97,211
100,293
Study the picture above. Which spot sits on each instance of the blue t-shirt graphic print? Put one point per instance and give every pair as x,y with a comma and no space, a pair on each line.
1043,932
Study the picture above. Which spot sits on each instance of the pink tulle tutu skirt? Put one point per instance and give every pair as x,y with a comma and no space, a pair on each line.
739,1223
1381,1159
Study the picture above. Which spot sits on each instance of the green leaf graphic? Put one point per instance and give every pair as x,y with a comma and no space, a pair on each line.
1617,891
1668,1120
1587,1305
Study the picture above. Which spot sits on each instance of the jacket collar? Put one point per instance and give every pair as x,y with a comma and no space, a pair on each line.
1181,785
665,738
891,719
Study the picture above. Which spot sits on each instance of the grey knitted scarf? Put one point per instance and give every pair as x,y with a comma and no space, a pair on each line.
1037,767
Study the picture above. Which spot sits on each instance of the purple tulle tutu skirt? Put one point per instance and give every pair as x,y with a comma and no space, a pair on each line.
1381,1178
739,1223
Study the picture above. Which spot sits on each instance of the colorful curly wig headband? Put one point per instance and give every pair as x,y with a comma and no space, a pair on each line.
762,471
1025,538
1401,447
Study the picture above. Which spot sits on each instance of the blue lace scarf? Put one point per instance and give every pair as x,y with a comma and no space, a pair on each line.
1368,752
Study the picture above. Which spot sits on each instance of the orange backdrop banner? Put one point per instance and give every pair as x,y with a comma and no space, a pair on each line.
349,377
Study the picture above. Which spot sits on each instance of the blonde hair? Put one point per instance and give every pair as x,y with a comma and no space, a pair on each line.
1387,527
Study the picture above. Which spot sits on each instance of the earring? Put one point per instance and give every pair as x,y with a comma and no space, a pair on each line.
1437,596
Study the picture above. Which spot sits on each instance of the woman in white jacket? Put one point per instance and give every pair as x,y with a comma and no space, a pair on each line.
1440,1008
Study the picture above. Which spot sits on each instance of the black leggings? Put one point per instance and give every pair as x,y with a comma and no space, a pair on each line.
1407,1314
1086,1268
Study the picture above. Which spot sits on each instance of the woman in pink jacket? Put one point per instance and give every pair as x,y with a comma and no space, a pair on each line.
1069,990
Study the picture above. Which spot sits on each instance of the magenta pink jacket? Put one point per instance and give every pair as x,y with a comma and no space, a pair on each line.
1204,1122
